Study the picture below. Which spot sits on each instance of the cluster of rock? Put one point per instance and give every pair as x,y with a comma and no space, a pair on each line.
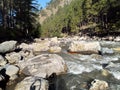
29,60
16,59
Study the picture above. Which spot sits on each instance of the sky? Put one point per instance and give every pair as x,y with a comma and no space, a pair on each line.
43,2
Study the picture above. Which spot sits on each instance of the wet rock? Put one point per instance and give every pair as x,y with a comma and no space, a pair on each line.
105,72
55,49
13,57
11,70
2,61
32,83
99,85
84,47
7,46
43,65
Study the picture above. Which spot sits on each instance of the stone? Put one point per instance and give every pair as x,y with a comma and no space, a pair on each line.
117,39
13,57
85,47
43,65
99,85
38,47
2,61
26,54
105,72
117,49
7,46
55,49
11,70
75,38
13,77
32,83
25,46
54,41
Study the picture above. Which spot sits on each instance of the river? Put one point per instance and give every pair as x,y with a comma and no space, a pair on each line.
82,69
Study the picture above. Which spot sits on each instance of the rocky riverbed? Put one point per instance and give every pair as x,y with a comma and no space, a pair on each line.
71,63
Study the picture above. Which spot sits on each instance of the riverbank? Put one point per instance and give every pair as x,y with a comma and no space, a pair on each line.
43,59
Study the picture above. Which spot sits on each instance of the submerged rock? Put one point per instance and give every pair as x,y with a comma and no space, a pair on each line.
32,83
7,46
85,47
99,85
43,65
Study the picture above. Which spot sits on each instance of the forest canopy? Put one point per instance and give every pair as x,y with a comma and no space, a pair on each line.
18,19
90,17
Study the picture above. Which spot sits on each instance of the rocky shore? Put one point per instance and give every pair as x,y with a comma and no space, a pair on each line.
40,59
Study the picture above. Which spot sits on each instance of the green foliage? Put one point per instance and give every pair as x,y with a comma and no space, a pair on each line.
99,16
18,18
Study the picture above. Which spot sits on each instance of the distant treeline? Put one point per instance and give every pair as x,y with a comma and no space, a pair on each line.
18,19
91,17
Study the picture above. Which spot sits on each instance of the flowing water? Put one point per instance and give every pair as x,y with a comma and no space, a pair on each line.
82,69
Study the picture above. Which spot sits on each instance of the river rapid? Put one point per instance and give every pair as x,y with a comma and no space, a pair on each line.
82,69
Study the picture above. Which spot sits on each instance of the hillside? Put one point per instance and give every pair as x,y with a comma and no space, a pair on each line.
89,17
52,8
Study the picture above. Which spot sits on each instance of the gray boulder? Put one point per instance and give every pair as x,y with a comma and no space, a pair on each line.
7,46
43,65
32,83
84,47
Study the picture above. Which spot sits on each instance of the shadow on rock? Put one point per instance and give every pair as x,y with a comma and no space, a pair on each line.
4,78
35,85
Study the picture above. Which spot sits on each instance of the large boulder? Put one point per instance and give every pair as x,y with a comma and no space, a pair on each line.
84,47
99,85
32,83
43,65
7,46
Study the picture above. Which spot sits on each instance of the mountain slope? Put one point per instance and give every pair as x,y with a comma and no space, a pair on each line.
89,17
52,8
